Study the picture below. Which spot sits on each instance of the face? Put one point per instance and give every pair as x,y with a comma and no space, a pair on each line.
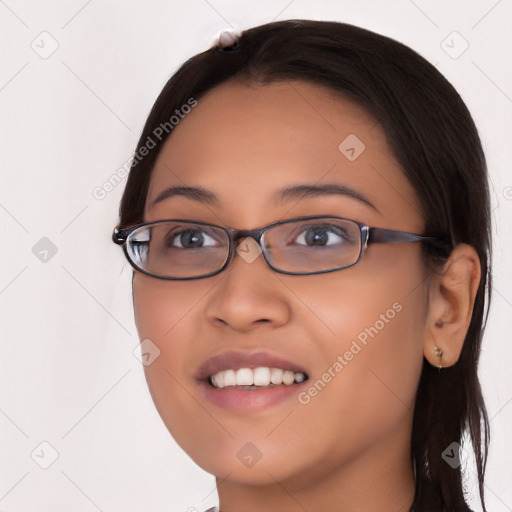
357,333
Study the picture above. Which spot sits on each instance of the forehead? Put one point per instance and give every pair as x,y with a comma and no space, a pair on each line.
243,142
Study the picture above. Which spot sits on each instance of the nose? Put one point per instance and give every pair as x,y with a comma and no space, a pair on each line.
248,293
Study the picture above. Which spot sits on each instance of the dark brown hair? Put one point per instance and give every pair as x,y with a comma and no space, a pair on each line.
432,135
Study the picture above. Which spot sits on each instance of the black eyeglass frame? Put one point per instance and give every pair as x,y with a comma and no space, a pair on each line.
367,235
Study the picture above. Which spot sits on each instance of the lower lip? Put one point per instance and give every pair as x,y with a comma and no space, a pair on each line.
249,401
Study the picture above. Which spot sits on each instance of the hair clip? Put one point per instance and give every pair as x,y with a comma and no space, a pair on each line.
228,40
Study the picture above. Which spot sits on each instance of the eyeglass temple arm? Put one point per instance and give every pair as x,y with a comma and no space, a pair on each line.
389,236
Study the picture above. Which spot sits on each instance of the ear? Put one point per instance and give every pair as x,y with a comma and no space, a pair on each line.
451,298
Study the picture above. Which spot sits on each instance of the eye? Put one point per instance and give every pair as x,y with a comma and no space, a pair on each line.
190,238
321,235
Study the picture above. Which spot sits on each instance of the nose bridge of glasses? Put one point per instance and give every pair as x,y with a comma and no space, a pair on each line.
238,234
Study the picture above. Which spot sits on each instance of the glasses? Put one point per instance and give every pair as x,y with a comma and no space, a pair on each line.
179,249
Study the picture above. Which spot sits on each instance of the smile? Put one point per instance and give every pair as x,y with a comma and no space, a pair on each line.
255,378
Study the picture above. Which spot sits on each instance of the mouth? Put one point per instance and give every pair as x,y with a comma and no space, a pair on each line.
255,378
249,382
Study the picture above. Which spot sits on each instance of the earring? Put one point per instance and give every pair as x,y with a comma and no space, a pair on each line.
439,354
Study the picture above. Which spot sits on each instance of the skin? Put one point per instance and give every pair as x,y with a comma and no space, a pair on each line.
348,448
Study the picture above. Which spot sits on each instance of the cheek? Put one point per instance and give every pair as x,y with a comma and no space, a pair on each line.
153,307
164,314
373,319
371,399
163,308
375,355
161,317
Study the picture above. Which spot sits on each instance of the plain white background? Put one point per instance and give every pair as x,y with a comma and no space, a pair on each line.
71,119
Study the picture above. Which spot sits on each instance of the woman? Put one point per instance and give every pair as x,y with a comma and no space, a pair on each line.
324,356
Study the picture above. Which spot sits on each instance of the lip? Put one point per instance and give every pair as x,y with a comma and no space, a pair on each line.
235,360
247,401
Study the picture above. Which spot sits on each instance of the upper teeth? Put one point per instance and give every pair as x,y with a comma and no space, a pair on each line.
261,376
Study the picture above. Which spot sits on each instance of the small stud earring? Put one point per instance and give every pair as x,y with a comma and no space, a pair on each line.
439,354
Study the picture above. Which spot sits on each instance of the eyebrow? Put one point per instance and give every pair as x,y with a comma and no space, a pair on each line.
281,196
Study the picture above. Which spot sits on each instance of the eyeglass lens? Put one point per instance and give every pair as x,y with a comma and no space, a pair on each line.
180,250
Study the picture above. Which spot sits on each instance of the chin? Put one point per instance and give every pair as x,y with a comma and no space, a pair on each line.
244,462
260,474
